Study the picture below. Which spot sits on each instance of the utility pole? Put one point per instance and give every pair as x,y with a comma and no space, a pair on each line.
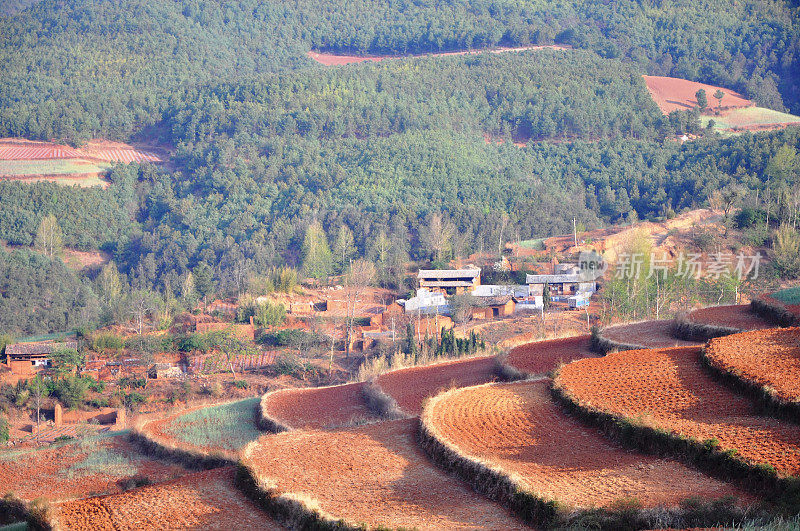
575,232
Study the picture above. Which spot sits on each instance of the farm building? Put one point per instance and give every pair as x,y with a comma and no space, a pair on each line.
29,358
491,307
425,301
560,284
493,290
449,280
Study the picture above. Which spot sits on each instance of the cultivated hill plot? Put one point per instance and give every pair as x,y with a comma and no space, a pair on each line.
518,428
410,387
318,407
374,475
647,334
668,389
674,94
734,316
542,357
767,358
203,500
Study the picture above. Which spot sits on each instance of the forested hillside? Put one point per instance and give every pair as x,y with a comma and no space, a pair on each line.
108,69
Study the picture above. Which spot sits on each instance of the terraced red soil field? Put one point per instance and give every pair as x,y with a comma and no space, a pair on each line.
203,500
542,357
375,475
768,358
63,472
668,389
19,149
518,428
733,316
647,334
410,387
318,407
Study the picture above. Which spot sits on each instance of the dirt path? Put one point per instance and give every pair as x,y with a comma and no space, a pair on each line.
518,428
332,59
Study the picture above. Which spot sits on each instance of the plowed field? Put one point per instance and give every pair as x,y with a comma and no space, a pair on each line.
410,387
97,465
204,500
648,334
24,150
769,358
518,428
375,475
319,407
674,94
542,357
668,389
734,316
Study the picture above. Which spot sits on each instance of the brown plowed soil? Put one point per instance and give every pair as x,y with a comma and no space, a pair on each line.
319,407
410,387
63,472
542,357
375,475
769,358
203,500
648,334
674,94
734,316
668,389
518,428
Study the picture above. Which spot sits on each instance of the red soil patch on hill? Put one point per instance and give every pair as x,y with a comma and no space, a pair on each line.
332,59
375,475
100,150
768,358
648,334
410,387
674,94
204,500
668,389
320,407
518,428
63,472
542,357
734,316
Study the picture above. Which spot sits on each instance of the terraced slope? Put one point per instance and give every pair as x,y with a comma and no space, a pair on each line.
410,387
736,316
204,500
768,359
646,334
669,390
374,475
518,428
318,407
542,357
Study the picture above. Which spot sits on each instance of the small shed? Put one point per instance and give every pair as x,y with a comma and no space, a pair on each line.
493,307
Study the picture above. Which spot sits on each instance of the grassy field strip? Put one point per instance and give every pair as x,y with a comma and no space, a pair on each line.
51,167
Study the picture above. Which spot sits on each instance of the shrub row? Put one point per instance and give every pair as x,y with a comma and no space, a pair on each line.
264,421
759,478
505,371
687,330
602,345
380,403
767,401
774,313
36,515
293,512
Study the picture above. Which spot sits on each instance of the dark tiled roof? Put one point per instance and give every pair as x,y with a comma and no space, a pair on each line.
434,274
39,348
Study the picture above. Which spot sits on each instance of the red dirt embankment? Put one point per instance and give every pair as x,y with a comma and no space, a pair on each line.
668,389
203,500
318,407
332,59
542,357
648,334
374,475
674,94
518,428
734,316
767,358
410,387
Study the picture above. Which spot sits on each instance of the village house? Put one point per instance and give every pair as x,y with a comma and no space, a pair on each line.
449,280
426,301
26,359
493,307
566,280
